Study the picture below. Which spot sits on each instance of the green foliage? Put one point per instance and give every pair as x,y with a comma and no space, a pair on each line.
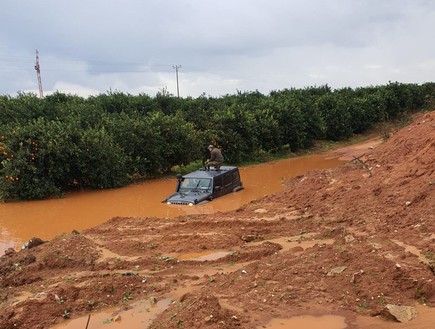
31,169
336,114
292,122
48,158
19,110
62,142
179,141
140,142
101,162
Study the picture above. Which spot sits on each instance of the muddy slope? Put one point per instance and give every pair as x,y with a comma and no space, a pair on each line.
346,241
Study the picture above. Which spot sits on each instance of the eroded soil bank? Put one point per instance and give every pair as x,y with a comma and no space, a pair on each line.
344,242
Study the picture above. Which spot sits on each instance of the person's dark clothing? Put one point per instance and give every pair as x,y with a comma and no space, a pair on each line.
216,158
206,156
216,155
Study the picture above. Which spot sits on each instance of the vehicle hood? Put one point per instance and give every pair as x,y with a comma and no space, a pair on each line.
192,197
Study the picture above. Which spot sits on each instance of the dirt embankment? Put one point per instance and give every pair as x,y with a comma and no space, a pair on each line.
347,241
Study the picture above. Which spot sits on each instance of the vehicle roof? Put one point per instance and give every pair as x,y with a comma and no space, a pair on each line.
201,173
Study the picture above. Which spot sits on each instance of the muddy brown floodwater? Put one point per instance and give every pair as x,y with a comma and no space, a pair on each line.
20,221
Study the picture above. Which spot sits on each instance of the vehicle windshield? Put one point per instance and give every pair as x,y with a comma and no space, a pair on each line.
195,184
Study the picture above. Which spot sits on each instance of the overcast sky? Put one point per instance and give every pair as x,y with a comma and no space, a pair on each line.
89,47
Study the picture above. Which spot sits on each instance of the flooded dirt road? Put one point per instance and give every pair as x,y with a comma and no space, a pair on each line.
20,221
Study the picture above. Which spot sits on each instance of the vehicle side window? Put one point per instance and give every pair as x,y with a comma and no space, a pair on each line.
233,178
227,179
236,175
217,181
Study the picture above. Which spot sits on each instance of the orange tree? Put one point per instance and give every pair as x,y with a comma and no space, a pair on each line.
140,142
48,158
25,173
179,142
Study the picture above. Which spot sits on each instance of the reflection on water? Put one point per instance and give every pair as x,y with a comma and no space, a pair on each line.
309,322
203,256
138,316
20,221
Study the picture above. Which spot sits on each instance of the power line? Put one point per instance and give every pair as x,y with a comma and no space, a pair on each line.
94,68
73,62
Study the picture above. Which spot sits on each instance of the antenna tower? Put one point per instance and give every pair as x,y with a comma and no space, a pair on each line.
38,75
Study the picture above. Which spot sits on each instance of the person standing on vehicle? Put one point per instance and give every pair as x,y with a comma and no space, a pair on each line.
216,157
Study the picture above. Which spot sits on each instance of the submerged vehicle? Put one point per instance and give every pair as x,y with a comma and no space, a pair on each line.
205,185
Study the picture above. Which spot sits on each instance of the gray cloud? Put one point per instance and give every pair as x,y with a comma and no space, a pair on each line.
88,47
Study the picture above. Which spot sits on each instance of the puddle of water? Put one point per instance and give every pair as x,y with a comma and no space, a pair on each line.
20,221
203,256
108,254
22,297
138,317
308,322
413,250
227,305
288,243
204,270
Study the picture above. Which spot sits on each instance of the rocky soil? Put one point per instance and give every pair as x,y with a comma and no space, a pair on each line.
351,241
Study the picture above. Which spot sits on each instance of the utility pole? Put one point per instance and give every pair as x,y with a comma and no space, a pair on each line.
38,75
176,67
